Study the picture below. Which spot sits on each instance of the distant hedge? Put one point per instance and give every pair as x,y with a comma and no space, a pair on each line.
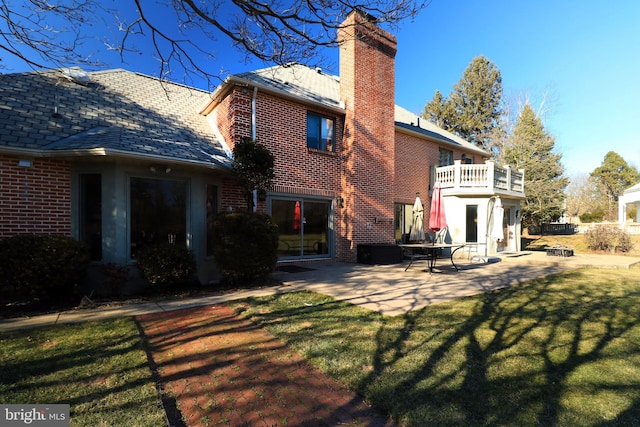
39,266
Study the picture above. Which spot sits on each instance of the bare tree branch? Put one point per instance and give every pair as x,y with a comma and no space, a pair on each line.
56,33
34,31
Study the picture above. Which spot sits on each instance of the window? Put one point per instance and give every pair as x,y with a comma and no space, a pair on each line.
212,210
466,160
303,225
91,213
446,157
320,132
403,220
158,212
472,223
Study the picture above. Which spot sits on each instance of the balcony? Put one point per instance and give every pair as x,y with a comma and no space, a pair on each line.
486,179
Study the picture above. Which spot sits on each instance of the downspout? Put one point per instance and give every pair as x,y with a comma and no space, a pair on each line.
253,112
253,137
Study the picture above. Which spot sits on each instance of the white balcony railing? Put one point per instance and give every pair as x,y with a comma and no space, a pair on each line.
480,178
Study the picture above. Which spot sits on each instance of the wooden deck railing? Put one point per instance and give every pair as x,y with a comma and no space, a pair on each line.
480,177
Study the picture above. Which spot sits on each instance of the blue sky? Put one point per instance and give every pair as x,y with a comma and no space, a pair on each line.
582,57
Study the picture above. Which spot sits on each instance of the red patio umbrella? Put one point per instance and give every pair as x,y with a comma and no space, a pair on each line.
437,219
296,217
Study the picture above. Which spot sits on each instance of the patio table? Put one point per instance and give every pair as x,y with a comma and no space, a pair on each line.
432,252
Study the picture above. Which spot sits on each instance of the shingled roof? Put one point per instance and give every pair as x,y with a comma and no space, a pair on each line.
316,87
115,112
122,113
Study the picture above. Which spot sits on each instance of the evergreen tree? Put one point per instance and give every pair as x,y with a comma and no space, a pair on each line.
440,111
531,148
253,165
473,109
614,176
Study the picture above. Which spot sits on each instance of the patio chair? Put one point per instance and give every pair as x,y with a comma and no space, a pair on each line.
441,235
475,251
415,254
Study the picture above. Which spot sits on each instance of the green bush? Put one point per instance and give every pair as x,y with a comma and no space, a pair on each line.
608,238
166,264
245,246
37,266
589,217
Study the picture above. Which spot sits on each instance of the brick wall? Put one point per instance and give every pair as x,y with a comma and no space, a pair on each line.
414,156
372,168
36,199
232,116
367,78
281,127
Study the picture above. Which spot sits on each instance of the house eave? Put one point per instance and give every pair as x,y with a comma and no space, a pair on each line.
417,133
103,152
483,192
223,90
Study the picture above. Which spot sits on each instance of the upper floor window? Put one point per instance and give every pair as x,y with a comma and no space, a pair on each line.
466,160
320,132
446,157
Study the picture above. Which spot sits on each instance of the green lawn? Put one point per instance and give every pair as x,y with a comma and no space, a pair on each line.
576,241
562,351
99,368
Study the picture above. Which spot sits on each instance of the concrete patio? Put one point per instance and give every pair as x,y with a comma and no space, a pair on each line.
384,288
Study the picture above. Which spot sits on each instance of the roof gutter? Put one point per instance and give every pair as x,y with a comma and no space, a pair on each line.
104,152
253,113
421,135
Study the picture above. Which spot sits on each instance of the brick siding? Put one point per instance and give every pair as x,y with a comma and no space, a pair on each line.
414,156
282,128
372,167
36,199
367,88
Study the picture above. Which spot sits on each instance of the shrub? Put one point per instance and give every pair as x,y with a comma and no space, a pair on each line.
166,264
608,238
595,216
35,266
246,246
117,276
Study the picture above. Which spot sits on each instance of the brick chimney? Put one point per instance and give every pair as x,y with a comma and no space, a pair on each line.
367,80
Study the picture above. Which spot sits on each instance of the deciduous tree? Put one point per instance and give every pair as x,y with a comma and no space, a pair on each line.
182,34
584,200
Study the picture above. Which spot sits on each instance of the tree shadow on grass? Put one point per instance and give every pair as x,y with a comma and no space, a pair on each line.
96,367
545,352
509,358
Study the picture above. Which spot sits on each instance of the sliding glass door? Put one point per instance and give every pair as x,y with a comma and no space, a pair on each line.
303,225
